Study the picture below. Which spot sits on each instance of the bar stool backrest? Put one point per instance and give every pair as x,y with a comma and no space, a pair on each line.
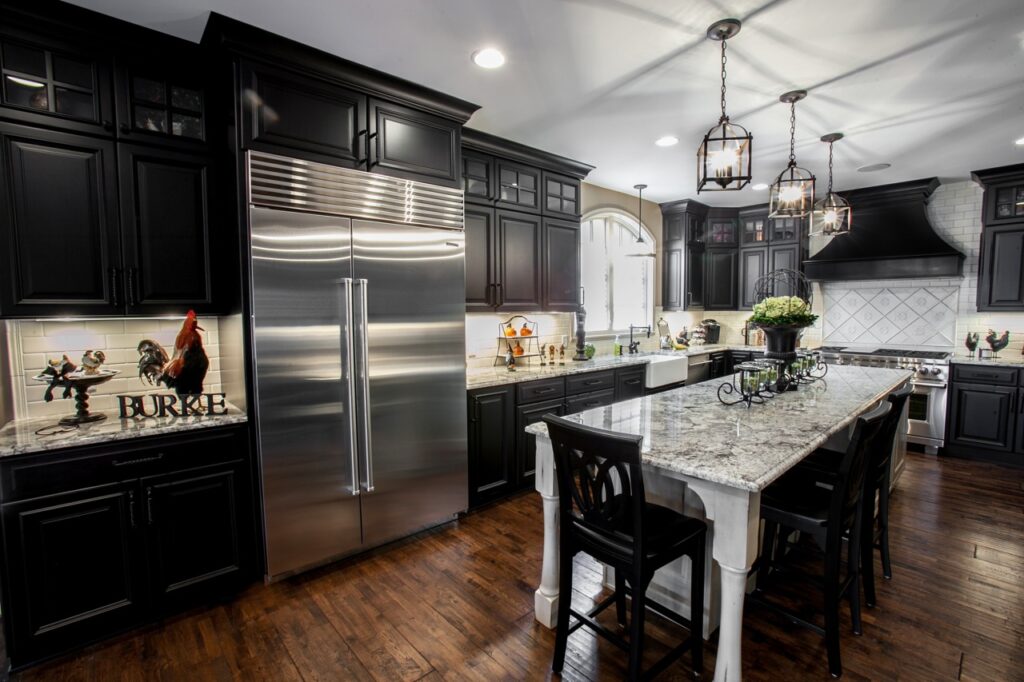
600,485
849,484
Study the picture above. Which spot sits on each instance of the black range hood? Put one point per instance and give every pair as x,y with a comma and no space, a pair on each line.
890,238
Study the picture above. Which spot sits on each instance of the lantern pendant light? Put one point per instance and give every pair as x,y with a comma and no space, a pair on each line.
792,193
640,213
832,214
723,158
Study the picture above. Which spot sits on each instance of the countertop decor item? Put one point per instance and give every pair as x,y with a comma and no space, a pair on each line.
971,342
581,331
832,215
997,343
80,381
520,345
782,318
724,156
792,193
185,370
749,385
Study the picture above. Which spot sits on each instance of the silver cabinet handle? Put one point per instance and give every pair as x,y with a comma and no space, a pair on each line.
364,371
349,376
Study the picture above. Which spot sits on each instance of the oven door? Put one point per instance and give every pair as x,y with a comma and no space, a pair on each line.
926,416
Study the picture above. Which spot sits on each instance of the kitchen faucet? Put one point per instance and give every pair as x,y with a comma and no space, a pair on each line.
634,346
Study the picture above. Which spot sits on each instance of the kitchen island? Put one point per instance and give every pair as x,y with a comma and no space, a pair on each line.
725,456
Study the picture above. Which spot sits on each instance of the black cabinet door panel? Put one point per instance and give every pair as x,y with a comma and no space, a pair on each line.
481,245
1020,420
589,401
561,195
59,224
74,569
694,277
492,443
526,464
752,268
518,186
1001,280
720,293
672,277
983,416
478,177
165,204
284,113
196,534
629,383
164,100
411,144
784,258
561,265
519,261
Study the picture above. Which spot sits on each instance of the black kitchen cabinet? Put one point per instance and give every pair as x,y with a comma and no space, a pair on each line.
588,401
478,181
414,145
53,80
481,250
752,267
721,232
75,569
526,457
753,228
293,115
561,195
629,382
672,275
519,252
519,186
1001,271
166,211
787,257
59,224
719,364
781,230
561,274
675,227
694,276
983,416
492,443
721,283
101,538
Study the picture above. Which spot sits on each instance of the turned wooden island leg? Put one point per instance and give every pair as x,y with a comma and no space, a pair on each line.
545,599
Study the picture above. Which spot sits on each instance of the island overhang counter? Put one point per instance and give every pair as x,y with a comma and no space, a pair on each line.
724,456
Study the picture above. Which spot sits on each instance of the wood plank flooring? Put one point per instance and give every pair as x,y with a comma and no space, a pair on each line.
457,604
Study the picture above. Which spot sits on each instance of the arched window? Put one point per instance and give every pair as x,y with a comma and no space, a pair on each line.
617,271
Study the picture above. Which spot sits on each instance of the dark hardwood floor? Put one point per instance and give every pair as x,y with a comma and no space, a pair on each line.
457,603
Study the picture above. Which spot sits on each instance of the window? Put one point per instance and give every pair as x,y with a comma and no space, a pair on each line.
617,272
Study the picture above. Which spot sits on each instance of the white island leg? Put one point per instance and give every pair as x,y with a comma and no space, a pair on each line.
545,599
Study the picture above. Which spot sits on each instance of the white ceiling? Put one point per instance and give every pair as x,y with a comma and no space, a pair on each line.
934,87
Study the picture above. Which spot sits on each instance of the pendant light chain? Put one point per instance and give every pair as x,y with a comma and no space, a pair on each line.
792,133
725,117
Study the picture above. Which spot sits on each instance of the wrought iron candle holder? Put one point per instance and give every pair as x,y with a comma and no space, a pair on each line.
776,381
806,369
748,385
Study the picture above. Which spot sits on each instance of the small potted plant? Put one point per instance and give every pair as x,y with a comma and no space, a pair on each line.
782,318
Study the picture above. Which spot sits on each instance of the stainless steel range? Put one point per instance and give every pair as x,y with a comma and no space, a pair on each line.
927,406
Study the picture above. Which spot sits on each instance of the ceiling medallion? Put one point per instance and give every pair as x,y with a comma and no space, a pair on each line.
723,158
832,215
792,193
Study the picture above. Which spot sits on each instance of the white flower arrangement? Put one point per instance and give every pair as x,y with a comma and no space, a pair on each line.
779,311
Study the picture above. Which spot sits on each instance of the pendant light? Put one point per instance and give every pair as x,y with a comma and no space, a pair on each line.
832,214
639,212
723,158
792,193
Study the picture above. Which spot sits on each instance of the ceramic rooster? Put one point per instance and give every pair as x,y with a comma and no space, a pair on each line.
186,368
58,371
997,344
971,342
91,361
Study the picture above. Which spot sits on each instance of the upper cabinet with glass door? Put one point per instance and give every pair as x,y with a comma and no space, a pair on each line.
55,84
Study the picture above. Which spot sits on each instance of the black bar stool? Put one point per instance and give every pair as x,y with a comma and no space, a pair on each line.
603,512
876,532
796,502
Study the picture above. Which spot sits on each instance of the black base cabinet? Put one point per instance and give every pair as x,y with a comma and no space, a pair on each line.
99,539
492,443
985,415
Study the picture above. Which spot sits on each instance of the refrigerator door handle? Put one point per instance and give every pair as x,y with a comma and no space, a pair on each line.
364,374
348,375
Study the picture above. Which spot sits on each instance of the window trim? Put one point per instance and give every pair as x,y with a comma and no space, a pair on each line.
630,222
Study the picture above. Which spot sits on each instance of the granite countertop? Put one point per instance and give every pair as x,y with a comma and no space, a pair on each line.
19,437
688,431
483,377
1005,359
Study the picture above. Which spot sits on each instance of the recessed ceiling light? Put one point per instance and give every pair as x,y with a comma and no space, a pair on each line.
760,186
488,58
667,141
1020,142
874,167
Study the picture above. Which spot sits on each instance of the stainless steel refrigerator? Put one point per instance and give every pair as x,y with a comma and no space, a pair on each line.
358,316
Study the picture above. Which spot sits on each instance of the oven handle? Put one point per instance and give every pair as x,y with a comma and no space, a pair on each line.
928,384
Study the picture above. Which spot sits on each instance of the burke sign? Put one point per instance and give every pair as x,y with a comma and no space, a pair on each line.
170,405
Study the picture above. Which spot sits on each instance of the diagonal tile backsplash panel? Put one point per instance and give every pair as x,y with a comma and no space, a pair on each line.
893,315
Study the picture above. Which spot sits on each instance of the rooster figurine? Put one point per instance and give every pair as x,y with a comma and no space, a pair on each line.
997,344
91,361
971,342
186,369
58,371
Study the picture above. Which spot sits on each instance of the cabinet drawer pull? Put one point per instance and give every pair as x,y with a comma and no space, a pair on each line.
138,460
593,382
548,389
131,508
632,382
592,403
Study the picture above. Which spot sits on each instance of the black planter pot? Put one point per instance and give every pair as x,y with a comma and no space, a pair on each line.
781,342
